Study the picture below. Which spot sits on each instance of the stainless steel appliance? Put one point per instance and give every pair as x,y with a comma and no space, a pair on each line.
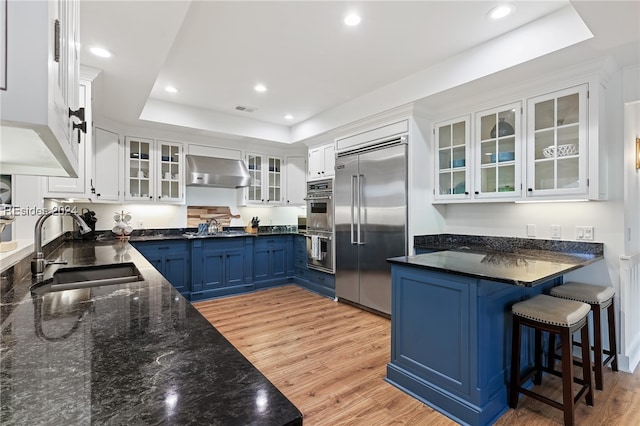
320,242
370,221
320,205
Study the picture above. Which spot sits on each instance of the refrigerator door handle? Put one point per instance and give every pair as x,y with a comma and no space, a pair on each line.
360,179
353,189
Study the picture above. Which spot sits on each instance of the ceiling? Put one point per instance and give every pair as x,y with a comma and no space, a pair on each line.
314,67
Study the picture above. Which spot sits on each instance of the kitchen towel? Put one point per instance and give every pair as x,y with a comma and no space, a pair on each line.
315,248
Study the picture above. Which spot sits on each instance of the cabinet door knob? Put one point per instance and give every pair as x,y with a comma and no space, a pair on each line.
97,195
318,172
477,192
530,189
467,192
151,197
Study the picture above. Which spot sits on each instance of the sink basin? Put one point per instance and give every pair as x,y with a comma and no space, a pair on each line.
89,276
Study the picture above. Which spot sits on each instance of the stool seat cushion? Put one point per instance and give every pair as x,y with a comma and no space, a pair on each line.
551,310
587,293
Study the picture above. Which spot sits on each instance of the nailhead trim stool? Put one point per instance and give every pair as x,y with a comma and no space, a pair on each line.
555,316
598,297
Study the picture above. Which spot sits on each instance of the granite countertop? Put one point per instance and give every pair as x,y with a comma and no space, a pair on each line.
192,233
516,261
135,353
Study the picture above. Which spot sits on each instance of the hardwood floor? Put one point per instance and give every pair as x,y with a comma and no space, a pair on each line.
330,360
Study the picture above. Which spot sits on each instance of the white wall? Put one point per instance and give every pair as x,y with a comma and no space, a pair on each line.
632,179
631,93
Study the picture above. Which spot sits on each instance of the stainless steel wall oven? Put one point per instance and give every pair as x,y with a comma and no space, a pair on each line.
320,242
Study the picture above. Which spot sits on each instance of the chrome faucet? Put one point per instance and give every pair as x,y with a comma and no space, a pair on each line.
38,264
211,228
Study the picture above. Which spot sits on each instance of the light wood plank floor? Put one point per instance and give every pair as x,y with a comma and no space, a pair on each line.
330,360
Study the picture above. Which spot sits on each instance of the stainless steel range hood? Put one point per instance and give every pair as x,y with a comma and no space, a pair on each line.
216,172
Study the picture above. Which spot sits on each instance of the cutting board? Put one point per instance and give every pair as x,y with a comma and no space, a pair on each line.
201,214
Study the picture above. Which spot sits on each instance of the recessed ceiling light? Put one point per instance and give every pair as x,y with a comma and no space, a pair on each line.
501,11
352,20
171,89
260,88
288,117
100,51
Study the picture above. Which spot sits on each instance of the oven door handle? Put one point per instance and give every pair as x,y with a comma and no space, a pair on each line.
326,197
322,237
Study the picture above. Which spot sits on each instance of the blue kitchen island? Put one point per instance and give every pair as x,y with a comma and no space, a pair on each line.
451,316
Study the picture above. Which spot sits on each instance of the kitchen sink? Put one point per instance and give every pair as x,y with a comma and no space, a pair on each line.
89,276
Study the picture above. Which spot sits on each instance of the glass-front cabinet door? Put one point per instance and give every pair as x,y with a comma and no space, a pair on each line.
452,171
254,190
170,171
139,169
274,180
497,152
266,179
557,143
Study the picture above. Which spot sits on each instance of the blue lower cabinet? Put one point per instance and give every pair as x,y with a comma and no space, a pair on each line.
322,283
171,259
219,267
272,260
316,281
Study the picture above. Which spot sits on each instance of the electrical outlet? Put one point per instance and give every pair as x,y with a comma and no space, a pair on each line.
556,231
531,230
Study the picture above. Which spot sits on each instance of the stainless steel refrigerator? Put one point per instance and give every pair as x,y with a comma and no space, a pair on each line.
370,193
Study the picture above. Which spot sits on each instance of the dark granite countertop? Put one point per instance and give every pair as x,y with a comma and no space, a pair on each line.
192,233
516,261
135,353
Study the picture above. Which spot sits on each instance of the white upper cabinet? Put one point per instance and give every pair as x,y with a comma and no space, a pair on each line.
107,160
557,143
296,172
153,171
322,162
497,143
543,147
41,93
452,159
80,187
266,180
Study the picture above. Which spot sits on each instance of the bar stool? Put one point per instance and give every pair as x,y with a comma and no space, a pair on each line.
599,298
555,316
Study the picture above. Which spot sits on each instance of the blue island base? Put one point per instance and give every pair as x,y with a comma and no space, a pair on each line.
445,402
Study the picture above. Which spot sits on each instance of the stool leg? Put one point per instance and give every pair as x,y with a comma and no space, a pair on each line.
514,390
551,354
586,366
568,404
537,357
613,348
597,345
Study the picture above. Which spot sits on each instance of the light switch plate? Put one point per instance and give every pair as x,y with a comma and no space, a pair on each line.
531,230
